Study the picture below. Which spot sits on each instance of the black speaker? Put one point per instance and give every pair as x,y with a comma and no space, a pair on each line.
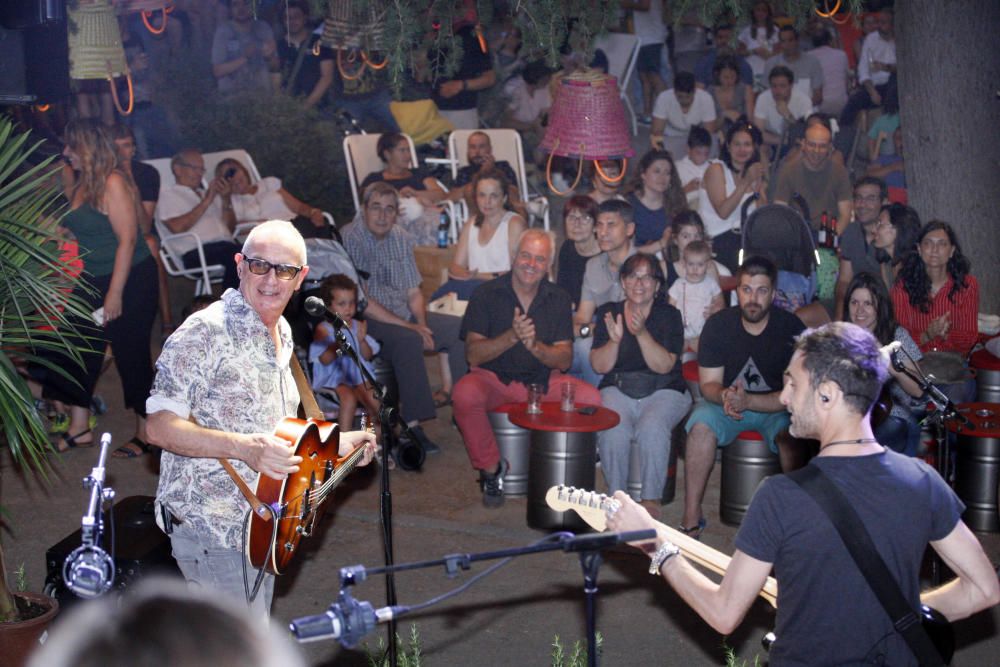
140,548
34,52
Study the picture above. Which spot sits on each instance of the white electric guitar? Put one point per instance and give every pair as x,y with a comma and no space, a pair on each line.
591,507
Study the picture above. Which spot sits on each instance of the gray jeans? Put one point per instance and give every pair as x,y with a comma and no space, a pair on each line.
219,569
648,423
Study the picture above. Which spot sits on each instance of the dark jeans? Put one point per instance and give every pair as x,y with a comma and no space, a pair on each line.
900,435
858,102
404,350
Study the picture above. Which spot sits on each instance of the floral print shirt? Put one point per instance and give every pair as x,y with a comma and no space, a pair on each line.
220,368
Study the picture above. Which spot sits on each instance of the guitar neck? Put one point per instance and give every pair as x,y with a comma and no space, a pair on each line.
591,507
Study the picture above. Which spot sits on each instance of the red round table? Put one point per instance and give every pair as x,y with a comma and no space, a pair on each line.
563,451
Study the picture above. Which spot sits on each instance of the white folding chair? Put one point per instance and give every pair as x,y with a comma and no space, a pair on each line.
622,50
204,275
362,159
507,147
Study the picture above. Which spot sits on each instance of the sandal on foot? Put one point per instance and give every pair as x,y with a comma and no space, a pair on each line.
71,441
442,398
60,424
132,449
694,532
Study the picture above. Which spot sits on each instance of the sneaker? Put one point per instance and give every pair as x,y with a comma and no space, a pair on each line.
430,447
491,484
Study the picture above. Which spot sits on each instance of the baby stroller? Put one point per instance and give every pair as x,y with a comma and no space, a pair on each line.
782,234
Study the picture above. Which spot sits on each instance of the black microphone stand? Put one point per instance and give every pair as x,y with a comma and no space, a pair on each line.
354,619
388,414
945,411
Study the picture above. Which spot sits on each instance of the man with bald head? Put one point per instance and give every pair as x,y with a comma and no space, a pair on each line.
518,330
822,181
223,383
205,211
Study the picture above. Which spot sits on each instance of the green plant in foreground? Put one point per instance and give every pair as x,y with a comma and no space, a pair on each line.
578,655
406,656
732,660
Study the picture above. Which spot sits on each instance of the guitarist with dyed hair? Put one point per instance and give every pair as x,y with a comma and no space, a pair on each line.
223,383
828,613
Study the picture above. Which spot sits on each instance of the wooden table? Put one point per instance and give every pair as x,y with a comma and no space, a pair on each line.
563,451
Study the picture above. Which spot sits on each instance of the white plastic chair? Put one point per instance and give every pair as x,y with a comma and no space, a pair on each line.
622,50
362,159
204,275
507,147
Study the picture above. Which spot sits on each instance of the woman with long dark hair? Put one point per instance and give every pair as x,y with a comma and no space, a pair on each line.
657,196
119,281
728,182
895,235
935,296
867,304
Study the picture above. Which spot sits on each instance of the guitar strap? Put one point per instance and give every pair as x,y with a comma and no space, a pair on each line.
312,410
862,549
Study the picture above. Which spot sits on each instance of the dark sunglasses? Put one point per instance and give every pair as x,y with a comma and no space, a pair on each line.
260,267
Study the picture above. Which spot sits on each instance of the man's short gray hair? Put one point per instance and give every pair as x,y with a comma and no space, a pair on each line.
281,228
380,188
532,232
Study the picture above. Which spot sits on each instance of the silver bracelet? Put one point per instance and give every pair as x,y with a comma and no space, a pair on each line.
666,551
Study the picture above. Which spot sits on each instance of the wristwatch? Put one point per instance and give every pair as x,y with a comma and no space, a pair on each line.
666,551
584,330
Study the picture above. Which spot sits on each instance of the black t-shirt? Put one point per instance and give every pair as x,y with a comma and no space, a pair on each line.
759,361
827,613
474,63
309,72
491,312
666,326
571,268
415,180
468,172
147,180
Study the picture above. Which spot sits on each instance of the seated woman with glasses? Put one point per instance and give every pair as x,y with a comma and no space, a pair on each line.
637,346
579,216
267,199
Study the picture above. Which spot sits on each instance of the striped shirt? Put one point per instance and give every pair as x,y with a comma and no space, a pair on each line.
390,263
964,310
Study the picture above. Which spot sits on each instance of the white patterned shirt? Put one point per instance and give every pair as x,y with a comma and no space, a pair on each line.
221,369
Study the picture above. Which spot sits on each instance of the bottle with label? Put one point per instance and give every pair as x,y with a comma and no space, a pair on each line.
442,237
834,238
822,236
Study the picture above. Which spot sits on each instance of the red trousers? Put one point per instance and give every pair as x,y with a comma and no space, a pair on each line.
480,391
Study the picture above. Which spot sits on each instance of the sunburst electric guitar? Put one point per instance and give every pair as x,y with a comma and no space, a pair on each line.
591,507
293,503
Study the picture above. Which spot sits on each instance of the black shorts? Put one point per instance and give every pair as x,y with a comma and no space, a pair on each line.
648,59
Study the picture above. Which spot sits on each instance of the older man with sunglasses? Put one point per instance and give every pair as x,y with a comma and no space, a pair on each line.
223,382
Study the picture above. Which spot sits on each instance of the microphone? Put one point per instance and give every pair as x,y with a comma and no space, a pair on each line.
89,571
315,307
891,352
346,620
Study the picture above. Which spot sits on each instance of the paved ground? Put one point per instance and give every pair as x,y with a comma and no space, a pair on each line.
510,618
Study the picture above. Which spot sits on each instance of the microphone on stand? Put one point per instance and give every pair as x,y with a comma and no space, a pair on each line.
347,620
89,571
315,307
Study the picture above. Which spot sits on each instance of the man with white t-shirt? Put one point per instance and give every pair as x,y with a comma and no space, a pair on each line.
678,110
647,17
780,106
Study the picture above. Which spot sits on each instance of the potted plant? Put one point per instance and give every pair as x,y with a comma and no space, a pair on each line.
34,300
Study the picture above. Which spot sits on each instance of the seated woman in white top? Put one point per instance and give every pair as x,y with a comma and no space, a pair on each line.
485,246
728,182
268,200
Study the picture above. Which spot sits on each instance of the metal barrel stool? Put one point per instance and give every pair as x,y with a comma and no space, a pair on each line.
977,465
514,443
745,463
690,372
987,376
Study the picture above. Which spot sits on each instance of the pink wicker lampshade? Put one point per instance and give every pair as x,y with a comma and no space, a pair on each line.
587,119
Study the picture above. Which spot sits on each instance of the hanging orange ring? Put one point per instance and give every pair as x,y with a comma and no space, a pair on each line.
42,108
114,93
548,172
373,65
828,12
316,48
479,36
145,21
608,179
345,75
847,17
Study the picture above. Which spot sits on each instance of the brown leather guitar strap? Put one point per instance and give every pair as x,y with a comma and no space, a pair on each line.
312,410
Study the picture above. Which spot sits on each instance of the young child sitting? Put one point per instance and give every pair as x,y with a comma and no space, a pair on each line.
696,294
340,372
688,227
